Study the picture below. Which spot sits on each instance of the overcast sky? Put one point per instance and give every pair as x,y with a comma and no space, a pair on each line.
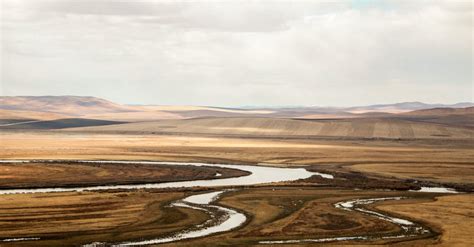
239,53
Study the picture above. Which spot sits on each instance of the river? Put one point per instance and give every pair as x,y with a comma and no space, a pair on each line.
228,218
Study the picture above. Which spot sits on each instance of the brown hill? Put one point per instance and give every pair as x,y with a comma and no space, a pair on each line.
460,117
137,116
404,107
67,105
442,111
54,107
19,115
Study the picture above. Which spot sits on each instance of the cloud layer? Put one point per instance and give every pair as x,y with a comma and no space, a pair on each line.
232,53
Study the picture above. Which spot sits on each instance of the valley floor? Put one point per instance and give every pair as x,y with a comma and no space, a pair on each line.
293,210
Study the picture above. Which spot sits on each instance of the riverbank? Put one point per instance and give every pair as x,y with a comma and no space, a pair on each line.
274,213
70,174
298,208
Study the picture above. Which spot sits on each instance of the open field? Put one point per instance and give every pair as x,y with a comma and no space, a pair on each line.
453,173
67,174
326,154
63,219
299,213
275,213
295,210
453,215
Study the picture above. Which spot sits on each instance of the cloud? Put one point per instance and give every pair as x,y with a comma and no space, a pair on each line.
239,53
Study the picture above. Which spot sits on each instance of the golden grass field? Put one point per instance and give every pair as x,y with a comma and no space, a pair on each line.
275,213
292,213
70,218
453,215
301,210
64,174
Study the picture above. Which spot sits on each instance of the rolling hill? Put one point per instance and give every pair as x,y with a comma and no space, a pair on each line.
460,117
66,105
404,107
278,127
55,124
442,111
376,121
56,107
29,115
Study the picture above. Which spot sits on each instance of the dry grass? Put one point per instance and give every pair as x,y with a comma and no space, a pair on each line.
300,213
451,173
74,174
453,214
62,219
458,156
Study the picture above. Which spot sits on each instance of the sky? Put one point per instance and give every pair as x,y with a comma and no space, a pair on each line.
239,53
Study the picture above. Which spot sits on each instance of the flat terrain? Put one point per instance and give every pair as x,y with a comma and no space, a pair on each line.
64,174
453,215
275,213
296,210
299,213
453,173
66,219
322,154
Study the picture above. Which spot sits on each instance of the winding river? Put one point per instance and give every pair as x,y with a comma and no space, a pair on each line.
259,175
223,219
408,228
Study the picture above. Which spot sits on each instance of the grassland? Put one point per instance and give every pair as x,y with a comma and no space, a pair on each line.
442,161
452,215
442,172
274,213
65,219
278,213
295,210
67,174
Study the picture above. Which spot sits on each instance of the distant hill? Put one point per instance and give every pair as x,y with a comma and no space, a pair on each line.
56,124
68,105
442,111
28,115
461,117
57,107
404,107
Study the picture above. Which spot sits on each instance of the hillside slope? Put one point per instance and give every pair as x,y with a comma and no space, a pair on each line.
55,124
460,117
68,105
277,127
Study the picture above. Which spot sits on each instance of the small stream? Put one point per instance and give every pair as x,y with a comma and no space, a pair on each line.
408,228
228,219
225,219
